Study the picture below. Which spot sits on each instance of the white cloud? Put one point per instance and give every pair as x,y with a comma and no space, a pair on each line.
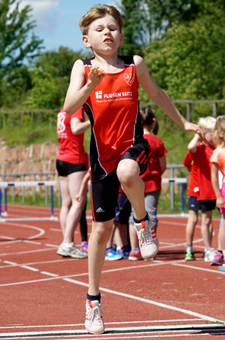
45,13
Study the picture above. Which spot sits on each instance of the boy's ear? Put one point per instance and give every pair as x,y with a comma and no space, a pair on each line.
121,38
86,41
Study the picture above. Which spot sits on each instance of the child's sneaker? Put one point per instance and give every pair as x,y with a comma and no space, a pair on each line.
113,255
71,251
125,252
148,241
209,255
190,256
218,259
84,246
94,323
135,255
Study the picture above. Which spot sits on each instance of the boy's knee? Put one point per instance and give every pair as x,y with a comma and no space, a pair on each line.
127,173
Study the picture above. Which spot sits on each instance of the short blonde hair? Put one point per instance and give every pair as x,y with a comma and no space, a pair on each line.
219,127
207,123
99,11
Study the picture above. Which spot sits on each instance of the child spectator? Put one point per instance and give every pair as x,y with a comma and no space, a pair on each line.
107,86
71,168
152,177
193,206
218,164
202,150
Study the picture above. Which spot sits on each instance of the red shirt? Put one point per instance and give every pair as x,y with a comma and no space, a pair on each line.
152,176
203,155
189,162
71,148
113,112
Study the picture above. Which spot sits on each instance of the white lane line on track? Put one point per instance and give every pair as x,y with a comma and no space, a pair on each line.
32,242
106,323
49,274
51,245
158,304
124,333
27,252
197,268
29,268
40,230
22,266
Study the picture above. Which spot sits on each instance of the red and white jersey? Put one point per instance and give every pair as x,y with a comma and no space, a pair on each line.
113,112
71,148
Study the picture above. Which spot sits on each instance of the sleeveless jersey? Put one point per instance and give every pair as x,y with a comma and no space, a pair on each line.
113,112
71,147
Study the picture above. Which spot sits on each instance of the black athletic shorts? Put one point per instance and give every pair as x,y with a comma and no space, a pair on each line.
64,168
104,192
204,206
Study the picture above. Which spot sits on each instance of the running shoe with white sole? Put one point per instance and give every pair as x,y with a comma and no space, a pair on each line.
135,255
209,255
72,251
94,323
112,255
148,241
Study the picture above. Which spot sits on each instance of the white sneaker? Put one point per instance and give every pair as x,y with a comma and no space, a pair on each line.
209,255
94,323
148,241
72,251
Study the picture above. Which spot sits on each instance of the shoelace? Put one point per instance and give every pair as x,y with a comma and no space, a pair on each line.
94,313
145,236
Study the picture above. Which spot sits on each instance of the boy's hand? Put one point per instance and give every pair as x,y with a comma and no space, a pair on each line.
188,127
95,76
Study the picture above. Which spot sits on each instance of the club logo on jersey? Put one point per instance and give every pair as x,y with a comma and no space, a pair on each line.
61,123
128,77
98,94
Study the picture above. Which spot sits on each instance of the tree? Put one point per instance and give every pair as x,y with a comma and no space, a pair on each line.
17,40
189,62
133,18
50,78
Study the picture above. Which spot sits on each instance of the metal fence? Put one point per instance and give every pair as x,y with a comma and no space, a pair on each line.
46,176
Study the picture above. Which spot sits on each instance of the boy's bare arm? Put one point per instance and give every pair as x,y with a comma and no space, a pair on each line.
160,98
78,92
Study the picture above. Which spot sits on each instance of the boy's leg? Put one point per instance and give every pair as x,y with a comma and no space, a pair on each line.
100,234
104,197
128,172
99,237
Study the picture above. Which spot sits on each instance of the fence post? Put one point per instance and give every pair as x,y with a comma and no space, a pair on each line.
172,190
214,109
188,112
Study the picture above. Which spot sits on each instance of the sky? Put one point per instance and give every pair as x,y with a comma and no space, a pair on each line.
57,21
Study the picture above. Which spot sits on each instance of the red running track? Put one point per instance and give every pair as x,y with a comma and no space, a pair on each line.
42,296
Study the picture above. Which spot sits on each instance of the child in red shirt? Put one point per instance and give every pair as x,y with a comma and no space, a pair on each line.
202,151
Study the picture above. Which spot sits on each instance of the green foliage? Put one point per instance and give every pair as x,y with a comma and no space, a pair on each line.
189,61
133,19
50,78
17,42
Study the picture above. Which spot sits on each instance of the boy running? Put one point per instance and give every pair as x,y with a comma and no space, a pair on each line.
106,85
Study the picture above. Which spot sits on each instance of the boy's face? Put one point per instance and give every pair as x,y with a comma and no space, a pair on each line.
103,35
208,135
